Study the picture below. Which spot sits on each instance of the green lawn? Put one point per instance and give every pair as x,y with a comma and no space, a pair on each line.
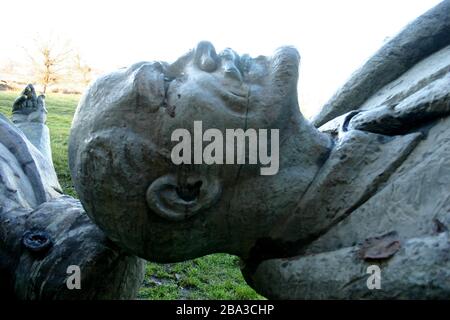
212,277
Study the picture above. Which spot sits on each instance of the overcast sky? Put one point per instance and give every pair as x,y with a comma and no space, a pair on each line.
333,37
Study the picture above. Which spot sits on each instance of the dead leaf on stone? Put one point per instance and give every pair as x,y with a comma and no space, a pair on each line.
378,248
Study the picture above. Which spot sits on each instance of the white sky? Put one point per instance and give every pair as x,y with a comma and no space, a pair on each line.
334,37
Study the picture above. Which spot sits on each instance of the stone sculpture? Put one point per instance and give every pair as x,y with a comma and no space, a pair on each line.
364,184
29,107
368,188
30,114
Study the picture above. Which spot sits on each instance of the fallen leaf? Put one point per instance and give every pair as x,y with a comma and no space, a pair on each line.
382,247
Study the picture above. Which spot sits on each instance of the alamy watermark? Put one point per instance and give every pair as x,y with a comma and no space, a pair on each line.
74,279
374,280
235,140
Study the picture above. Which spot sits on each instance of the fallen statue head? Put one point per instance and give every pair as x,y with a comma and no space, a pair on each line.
120,153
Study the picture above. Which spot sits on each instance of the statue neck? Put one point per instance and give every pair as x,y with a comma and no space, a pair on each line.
303,152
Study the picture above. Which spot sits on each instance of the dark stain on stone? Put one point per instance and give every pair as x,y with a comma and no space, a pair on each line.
438,226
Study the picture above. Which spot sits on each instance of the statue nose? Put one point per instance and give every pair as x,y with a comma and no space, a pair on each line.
205,56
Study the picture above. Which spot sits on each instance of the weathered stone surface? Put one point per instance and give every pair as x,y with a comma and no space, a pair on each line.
419,270
407,202
29,107
429,103
22,156
419,94
29,115
410,200
107,272
422,37
15,187
356,169
39,135
421,75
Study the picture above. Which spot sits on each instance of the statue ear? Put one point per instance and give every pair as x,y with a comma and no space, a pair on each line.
177,201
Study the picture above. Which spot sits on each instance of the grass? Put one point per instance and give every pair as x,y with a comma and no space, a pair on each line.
215,276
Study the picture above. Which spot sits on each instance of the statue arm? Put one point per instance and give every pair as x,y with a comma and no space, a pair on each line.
429,103
342,274
38,246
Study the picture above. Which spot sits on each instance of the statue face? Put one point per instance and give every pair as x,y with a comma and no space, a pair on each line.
120,151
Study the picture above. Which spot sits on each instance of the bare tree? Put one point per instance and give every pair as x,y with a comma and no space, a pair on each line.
83,70
8,67
49,57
